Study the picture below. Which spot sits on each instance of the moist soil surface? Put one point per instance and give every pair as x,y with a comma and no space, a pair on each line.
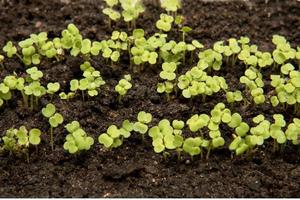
134,170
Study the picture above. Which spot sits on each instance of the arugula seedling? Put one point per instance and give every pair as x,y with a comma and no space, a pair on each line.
165,22
114,136
19,140
169,75
131,11
171,6
123,86
77,140
141,126
164,137
10,49
55,119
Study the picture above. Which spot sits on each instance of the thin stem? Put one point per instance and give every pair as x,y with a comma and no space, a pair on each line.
208,153
51,138
31,102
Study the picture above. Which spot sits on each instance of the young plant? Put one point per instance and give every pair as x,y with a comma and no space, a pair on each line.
192,146
53,88
235,96
293,131
283,51
110,12
123,86
114,136
71,40
165,138
19,140
33,90
91,82
169,75
55,119
131,11
171,6
254,82
10,49
165,22
276,131
77,140
141,126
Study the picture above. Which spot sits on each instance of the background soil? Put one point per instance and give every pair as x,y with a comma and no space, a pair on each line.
134,170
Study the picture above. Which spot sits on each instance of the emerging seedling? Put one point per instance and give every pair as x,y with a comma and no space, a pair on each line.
55,119
19,140
114,136
141,126
77,140
165,22
123,86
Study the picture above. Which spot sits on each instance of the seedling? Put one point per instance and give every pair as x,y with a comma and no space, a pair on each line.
165,22
123,86
53,88
19,140
131,11
77,140
34,90
192,146
114,136
185,30
168,74
283,51
10,49
141,126
254,82
293,131
91,82
171,6
55,119
235,96
164,137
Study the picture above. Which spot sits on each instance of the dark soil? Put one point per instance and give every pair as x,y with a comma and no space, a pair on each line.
134,170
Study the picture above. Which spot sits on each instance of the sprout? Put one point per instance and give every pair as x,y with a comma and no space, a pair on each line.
34,73
65,96
177,126
111,3
19,140
10,49
91,82
123,86
165,22
131,11
164,137
141,125
52,87
197,122
168,74
293,131
234,96
192,146
112,14
287,68
55,119
275,130
283,51
184,31
77,140
171,5
113,137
